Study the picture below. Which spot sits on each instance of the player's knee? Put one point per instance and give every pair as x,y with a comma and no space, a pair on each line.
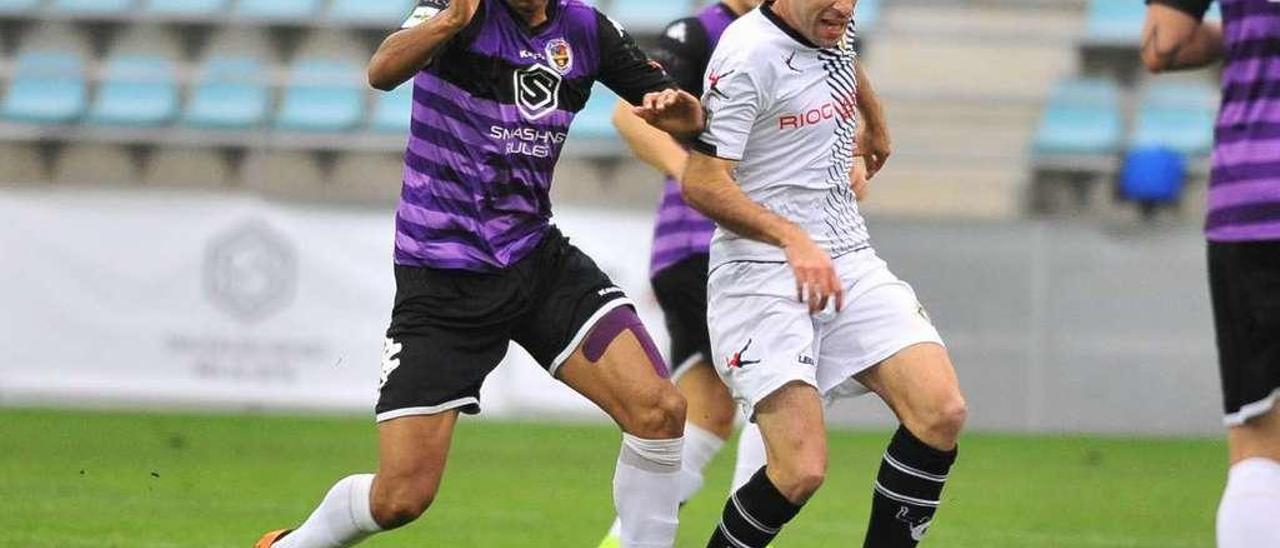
944,421
798,481
671,409
400,505
662,417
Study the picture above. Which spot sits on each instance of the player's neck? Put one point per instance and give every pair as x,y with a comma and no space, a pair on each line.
533,13
786,12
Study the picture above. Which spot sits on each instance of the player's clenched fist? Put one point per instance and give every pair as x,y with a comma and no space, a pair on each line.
816,279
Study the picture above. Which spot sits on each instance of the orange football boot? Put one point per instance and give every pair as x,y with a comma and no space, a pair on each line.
270,538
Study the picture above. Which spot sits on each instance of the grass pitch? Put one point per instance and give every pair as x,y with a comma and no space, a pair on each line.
87,479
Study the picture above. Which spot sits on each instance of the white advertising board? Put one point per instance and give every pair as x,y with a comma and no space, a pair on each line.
209,300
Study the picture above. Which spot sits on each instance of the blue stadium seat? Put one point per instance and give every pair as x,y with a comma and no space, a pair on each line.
186,7
1081,118
648,15
47,88
1115,21
137,90
302,10
389,12
94,7
18,6
323,95
1178,116
595,119
866,15
230,94
392,110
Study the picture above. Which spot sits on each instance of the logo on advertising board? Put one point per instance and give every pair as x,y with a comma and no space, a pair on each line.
250,271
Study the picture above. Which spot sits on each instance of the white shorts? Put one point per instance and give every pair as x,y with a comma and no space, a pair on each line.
763,337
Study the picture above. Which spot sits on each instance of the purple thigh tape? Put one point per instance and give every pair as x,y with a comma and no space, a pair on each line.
613,324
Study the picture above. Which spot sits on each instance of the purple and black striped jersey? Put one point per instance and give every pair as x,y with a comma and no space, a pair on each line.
490,115
684,49
1244,185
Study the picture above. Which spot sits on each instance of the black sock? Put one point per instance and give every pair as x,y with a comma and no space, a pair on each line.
908,490
753,515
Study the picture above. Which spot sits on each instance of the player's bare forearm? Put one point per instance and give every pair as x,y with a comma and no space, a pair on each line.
652,145
405,52
708,186
873,143
869,105
1174,40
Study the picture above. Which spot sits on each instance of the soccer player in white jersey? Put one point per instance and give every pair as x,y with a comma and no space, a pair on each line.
682,242
800,306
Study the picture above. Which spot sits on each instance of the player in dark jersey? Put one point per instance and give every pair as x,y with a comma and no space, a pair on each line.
1243,230
682,237
478,263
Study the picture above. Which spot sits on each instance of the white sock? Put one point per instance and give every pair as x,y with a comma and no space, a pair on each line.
751,455
646,489
342,519
1249,515
700,446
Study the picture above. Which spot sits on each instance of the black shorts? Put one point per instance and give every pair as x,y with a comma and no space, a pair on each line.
450,328
681,290
1244,280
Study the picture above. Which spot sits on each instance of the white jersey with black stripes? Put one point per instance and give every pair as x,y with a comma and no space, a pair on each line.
784,109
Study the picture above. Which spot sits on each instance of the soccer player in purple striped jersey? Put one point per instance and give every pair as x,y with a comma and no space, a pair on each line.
478,263
1243,229
681,245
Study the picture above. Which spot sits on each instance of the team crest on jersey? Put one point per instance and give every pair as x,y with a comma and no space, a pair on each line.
537,91
560,55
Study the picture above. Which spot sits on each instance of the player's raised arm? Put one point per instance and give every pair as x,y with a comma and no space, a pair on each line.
682,51
406,51
640,81
1175,38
